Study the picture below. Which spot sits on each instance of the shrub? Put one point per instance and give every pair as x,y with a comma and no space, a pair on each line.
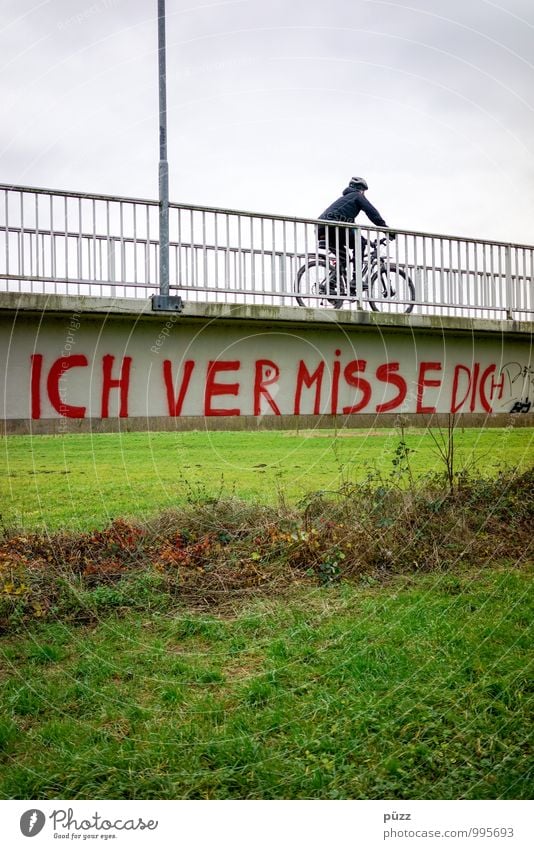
215,554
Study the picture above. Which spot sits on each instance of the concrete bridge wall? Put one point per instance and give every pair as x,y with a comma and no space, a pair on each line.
74,364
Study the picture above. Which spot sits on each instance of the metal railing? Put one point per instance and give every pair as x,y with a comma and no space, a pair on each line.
73,243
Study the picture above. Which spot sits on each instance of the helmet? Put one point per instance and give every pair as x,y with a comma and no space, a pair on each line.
359,184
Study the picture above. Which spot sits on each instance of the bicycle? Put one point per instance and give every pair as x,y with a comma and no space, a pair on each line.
385,283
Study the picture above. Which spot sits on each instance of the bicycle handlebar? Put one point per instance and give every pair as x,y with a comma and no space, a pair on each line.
370,247
374,246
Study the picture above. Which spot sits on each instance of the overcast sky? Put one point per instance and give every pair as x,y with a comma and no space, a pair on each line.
274,104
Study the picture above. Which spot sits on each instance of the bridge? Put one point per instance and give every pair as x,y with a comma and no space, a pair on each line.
77,276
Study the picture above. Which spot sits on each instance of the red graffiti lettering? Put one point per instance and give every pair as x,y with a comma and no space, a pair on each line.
261,380
336,371
423,382
387,374
475,387
455,404
359,383
52,385
36,361
304,378
213,388
490,371
109,383
494,386
175,404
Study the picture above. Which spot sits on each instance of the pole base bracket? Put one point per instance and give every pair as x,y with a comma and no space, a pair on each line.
167,303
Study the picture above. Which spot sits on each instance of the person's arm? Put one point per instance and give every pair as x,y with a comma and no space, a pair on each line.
373,214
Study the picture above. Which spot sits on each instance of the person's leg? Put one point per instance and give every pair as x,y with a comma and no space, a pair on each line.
353,246
338,240
321,237
331,238
352,243
338,244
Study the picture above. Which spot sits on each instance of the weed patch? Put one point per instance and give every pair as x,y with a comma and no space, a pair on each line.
214,555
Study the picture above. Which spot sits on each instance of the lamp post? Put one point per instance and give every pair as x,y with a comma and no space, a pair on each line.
163,301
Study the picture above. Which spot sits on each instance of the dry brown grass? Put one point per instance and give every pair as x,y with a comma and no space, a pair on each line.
214,554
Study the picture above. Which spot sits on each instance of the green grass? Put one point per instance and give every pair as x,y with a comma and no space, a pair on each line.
385,683
82,481
418,689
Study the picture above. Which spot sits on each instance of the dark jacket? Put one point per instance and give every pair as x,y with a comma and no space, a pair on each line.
347,207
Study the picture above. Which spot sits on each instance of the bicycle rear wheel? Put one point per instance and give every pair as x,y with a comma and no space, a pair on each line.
394,288
316,280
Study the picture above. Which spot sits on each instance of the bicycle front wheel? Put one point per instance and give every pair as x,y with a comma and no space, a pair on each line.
316,285
392,288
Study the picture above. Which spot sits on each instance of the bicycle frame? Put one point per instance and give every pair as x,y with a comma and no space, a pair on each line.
346,272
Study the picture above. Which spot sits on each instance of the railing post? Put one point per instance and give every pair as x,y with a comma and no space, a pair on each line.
358,263
508,281
112,277
282,273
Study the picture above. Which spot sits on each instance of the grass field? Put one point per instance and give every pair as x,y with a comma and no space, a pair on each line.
83,481
369,644
414,690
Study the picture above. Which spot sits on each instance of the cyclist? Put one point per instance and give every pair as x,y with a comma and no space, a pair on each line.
344,209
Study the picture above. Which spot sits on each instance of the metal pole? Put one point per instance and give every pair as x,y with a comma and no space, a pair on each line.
163,164
164,301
